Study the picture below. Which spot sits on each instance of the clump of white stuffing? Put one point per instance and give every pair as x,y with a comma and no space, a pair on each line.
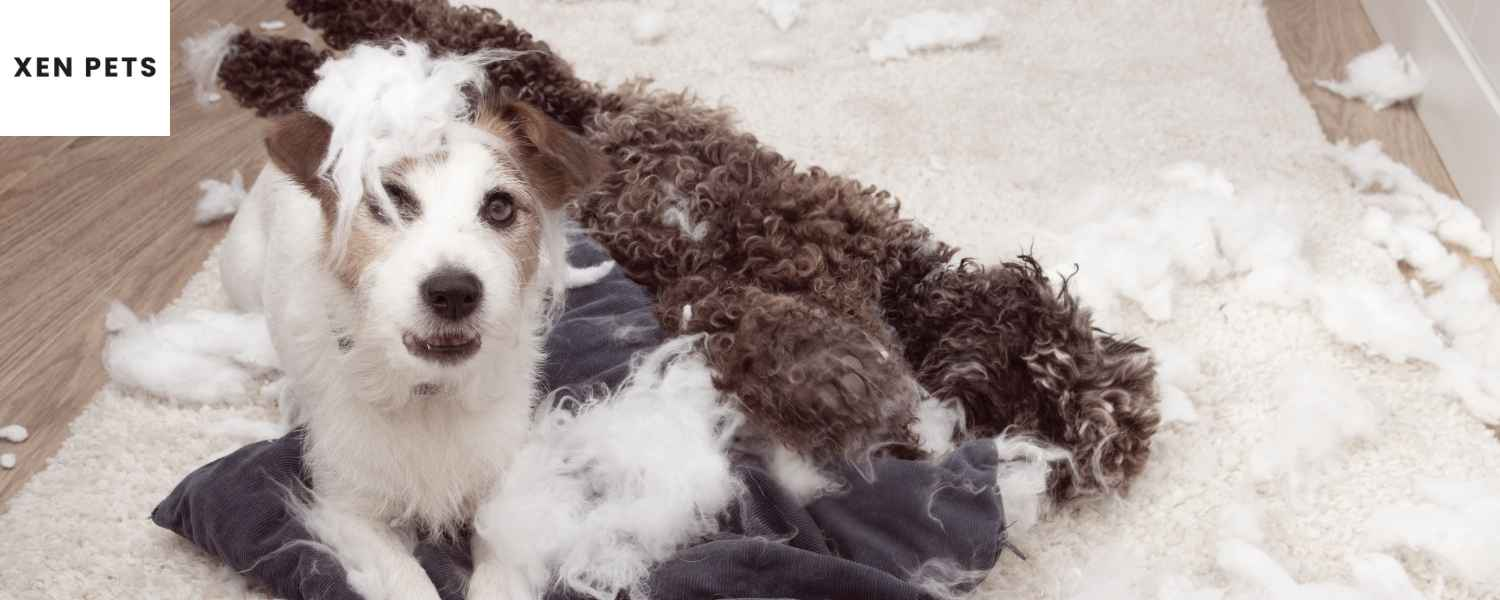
592,501
1412,221
783,13
7,461
577,277
204,53
1380,77
1177,374
1021,479
14,434
1457,524
1375,576
1319,414
1200,232
1383,321
798,476
928,30
648,27
198,357
937,424
1400,190
220,200
272,25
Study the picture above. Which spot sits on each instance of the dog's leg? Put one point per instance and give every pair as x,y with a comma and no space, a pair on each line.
242,260
1021,357
377,562
497,579
832,387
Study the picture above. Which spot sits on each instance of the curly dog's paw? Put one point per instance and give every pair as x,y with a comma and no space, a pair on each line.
823,385
1021,357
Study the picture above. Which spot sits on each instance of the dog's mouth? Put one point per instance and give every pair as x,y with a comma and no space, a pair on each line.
447,348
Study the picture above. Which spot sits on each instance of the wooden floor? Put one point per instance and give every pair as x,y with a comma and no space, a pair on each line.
87,220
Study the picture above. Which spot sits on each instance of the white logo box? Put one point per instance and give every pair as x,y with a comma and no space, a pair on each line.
83,103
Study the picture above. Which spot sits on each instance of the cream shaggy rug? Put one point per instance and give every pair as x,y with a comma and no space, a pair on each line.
1064,111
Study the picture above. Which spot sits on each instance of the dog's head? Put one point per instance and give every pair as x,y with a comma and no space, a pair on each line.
448,256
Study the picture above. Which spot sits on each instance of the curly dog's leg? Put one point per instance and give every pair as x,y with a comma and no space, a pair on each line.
1023,358
827,386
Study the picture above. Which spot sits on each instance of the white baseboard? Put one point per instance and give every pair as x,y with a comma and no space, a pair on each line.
1459,107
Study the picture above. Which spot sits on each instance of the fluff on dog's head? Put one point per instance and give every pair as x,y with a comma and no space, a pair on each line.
441,202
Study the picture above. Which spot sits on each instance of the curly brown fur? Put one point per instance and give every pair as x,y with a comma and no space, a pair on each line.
269,74
811,287
980,334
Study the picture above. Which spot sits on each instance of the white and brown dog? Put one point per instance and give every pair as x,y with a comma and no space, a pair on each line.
406,243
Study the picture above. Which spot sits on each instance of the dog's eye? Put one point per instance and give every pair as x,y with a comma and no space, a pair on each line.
499,208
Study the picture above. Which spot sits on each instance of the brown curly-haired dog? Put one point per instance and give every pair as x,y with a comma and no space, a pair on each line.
826,313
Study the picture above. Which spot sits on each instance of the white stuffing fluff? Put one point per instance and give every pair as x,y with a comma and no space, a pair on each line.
937,423
577,277
1382,320
1380,77
1457,524
273,25
798,476
778,56
119,317
1466,311
203,55
220,200
14,434
648,27
1452,221
928,30
1175,405
1021,479
386,103
1375,577
7,461
1177,373
783,13
1200,232
1476,386
592,501
198,357
1319,414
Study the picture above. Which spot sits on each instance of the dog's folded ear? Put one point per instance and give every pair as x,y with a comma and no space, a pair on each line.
297,143
558,162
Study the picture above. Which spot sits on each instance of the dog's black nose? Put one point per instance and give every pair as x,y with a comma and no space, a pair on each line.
452,294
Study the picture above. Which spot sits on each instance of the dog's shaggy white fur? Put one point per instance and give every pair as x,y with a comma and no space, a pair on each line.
413,406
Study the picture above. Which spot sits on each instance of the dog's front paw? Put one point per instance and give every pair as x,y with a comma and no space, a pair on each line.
494,582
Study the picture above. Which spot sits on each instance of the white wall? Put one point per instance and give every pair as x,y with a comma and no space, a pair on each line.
1457,42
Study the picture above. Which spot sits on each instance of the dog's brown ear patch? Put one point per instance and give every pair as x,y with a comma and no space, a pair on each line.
297,143
558,162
